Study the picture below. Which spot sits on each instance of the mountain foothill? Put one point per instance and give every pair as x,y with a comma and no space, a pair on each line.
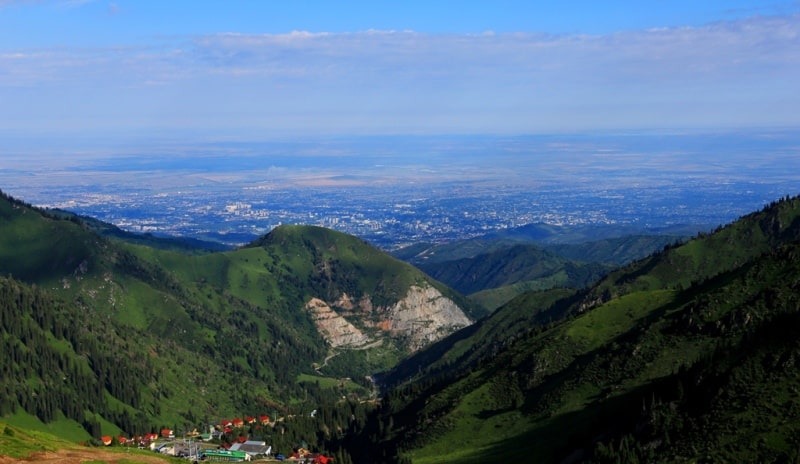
624,349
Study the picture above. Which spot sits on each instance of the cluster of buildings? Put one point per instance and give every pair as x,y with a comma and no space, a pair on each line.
142,441
226,427
242,449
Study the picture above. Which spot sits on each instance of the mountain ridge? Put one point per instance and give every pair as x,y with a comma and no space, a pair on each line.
491,271
207,317
652,363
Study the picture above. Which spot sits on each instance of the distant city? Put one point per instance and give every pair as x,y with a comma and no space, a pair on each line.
397,191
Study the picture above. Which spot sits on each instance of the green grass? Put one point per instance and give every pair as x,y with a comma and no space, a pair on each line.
20,442
108,428
473,432
615,317
477,426
627,352
66,429
494,298
138,302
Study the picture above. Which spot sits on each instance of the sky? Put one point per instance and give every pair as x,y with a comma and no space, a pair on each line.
252,69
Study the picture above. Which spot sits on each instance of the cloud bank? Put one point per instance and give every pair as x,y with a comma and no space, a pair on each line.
738,73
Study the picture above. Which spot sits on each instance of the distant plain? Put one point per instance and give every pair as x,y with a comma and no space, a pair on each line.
481,183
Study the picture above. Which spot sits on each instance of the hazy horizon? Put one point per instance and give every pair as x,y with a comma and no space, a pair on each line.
502,112
444,187
127,70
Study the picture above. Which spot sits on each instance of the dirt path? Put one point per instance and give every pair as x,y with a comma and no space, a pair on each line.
325,363
78,456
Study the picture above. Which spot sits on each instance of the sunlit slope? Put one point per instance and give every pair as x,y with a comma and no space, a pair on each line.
285,269
339,263
68,259
100,335
24,253
708,255
110,231
201,301
654,363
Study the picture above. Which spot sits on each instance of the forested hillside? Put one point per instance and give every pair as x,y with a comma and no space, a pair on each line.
76,360
122,337
687,355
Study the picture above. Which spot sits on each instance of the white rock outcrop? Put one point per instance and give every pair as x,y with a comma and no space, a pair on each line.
336,330
422,317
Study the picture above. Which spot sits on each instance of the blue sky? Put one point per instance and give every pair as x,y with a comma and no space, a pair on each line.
255,69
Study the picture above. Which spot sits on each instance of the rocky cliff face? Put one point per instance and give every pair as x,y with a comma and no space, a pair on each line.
423,316
336,330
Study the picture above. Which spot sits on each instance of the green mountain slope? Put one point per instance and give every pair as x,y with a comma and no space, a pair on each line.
610,244
493,271
615,251
514,265
180,244
123,342
285,269
206,335
688,355
339,263
63,253
582,233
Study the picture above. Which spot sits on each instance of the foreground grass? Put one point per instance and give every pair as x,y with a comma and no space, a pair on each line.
16,443
30,445
68,430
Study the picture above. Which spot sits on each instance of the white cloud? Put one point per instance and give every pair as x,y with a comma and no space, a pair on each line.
716,50
739,72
